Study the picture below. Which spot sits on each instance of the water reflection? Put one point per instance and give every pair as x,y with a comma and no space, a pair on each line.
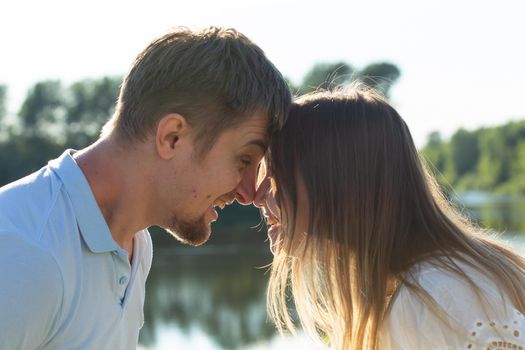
499,213
222,295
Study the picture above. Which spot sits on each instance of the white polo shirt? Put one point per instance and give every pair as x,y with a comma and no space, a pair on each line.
64,282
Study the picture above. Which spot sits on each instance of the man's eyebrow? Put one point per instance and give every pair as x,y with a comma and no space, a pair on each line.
258,142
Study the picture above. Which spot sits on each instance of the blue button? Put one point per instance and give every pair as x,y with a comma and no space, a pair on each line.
123,280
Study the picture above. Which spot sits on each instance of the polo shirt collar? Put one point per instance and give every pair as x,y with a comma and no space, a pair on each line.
90,220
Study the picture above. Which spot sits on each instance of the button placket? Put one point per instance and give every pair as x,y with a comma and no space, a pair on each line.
123,270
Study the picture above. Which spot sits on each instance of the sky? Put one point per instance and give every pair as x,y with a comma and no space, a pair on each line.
462,62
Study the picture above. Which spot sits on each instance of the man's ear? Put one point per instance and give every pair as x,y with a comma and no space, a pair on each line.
170,129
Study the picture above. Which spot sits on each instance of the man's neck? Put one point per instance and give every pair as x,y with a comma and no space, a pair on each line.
118,186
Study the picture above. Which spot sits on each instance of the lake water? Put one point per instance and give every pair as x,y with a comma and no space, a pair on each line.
213,297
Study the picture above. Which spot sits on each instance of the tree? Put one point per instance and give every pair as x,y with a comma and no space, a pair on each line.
53,118
326,76
380,76
3,108
435,153
434,139
518,168
90,104
42,112
464,151
494,165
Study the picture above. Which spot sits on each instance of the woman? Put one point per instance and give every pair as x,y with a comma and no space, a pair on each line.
373,254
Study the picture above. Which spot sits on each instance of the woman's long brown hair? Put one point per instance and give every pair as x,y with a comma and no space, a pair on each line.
374,212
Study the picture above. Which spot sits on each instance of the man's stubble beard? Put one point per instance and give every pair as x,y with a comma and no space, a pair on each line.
192,232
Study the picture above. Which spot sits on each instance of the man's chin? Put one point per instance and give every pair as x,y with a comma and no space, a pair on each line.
192,238
194,232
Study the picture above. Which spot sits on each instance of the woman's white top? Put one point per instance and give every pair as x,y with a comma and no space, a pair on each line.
493,324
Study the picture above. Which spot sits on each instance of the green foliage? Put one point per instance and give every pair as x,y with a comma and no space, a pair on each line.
3,96
436,154
90,104
42,113
70,116
53,118
3,111
380,76
487,159
464,151
24,154
493,164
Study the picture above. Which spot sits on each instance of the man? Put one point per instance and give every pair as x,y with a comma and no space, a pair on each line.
190,127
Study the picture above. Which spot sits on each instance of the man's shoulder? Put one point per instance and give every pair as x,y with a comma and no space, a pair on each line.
19,252
36,187
25,203
23,261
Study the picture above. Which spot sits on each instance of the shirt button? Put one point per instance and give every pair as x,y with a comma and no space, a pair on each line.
123,280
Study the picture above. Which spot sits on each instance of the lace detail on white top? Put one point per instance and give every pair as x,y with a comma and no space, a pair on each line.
493,325
498,336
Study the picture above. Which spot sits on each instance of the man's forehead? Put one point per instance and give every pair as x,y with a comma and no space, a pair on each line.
255,131
262,143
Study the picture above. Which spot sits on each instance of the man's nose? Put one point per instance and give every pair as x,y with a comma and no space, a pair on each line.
245,191
260,196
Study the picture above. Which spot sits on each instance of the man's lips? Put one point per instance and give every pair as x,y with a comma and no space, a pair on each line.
214,214
221,203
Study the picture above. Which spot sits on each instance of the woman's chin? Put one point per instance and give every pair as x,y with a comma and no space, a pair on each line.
273,234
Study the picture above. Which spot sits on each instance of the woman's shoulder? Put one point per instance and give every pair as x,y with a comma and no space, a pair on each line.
454,283
451,310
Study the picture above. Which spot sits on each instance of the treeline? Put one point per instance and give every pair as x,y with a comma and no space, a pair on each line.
51,119
54,117
486,159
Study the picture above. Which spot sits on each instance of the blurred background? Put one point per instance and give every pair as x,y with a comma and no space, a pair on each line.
455,70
